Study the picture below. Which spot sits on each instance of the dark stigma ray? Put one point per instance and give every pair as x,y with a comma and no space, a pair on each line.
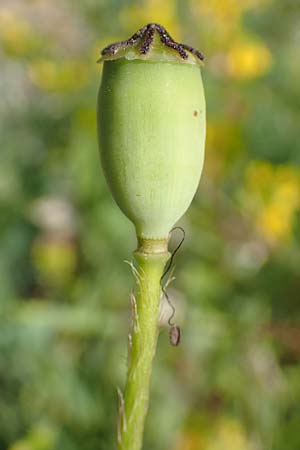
146,36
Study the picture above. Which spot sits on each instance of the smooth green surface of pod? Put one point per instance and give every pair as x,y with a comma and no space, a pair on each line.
151,124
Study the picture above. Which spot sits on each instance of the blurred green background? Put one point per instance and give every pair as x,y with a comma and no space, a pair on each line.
234,383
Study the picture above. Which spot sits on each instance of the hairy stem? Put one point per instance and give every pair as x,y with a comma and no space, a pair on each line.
142,346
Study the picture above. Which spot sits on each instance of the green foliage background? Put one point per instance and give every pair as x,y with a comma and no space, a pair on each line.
234,383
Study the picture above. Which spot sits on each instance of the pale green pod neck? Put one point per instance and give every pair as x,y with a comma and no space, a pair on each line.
152,246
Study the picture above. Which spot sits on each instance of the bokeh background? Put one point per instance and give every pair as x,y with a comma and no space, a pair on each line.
234,383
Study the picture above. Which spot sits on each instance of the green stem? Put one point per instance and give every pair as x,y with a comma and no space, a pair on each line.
142,345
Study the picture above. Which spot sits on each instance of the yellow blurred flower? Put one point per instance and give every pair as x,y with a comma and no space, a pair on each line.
227,10
224,17
229,435
16,35
58,76
259,176
192,440
274,195
54,259
223,433
248,60
274,222
222,141
287,193
224,10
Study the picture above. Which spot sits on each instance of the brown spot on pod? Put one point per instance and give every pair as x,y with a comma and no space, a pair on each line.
195,113
175,335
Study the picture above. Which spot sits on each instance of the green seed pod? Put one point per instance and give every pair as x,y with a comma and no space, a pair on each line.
151,126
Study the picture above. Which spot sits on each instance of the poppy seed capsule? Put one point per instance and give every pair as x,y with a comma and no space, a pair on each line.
151,126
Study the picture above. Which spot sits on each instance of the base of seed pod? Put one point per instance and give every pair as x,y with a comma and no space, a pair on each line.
152,245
